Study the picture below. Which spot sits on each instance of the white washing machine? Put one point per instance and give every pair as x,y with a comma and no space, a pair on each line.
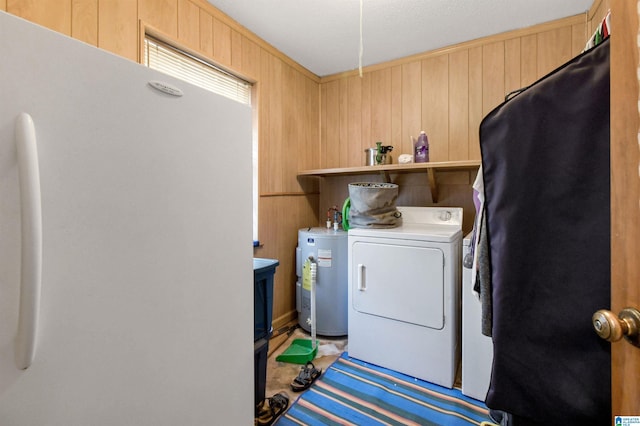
477,349
404,294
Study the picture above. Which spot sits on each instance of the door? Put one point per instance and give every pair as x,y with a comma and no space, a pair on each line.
625,199
411,291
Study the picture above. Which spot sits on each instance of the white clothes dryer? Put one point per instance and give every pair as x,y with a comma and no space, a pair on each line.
404,294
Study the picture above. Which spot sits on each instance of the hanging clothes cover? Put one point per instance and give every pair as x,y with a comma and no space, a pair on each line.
545,159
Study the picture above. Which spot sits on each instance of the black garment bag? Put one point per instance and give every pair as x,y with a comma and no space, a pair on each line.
545,159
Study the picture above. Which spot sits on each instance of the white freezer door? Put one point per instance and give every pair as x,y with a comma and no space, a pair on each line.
398,282
147,278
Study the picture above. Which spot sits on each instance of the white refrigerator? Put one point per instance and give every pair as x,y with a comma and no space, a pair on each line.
126,273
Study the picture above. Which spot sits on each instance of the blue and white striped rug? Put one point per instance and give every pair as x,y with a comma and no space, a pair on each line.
352,392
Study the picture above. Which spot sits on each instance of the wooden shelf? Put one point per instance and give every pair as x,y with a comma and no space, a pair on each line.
387,169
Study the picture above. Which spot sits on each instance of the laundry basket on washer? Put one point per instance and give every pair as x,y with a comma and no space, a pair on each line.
372,205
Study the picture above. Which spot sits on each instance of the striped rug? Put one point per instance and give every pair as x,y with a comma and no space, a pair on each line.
352,392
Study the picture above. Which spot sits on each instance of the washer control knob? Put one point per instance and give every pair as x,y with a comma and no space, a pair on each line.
445,216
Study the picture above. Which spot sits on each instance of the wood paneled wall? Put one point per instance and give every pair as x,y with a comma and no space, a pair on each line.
597,13
303,122
445,92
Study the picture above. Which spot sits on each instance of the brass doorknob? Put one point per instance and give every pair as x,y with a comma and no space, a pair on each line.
612,327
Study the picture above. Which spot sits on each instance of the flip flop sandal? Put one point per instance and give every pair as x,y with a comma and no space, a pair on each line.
308,374
271,408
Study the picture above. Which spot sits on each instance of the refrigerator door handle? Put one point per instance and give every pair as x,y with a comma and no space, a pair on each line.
31,218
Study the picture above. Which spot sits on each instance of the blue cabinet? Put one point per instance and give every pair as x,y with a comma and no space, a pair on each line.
263,272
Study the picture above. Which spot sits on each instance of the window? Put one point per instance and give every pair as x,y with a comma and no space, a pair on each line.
163,57
180,64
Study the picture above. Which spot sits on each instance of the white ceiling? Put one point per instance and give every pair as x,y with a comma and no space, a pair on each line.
324,35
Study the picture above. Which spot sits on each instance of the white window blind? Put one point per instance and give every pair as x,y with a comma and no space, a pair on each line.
165,58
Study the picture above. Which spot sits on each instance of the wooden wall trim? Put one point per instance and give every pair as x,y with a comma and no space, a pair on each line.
595,7
536,29
597,13
287,194
253,37
282,320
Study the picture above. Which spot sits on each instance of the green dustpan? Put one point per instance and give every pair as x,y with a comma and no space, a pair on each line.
300,351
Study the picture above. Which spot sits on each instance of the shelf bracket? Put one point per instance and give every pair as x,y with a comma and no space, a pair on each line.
385,176
431,174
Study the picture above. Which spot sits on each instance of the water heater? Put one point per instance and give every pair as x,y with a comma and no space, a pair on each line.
328,248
